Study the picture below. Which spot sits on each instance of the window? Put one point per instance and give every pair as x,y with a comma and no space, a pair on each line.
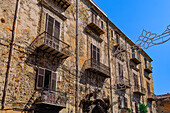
102,24
46,79
95,53
117,39
148,87
122,102
145,62
111,33
135,80
133,53
94,17
53,30
120,67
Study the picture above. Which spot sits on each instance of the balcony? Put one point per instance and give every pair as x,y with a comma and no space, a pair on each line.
94,24
123,83
124,110
97,67
148,68
139,90
64,4
135,58
151,96
133,66
52,45
52,99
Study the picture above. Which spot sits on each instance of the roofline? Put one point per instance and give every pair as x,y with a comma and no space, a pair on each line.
110,22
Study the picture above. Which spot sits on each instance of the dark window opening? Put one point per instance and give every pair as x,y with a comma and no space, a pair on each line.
117,39
145,62
111,33
120,67
102,24
47,82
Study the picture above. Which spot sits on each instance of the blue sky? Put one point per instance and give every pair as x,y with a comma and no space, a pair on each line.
132,16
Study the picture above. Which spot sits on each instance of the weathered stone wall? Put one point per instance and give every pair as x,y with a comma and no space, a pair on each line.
26,59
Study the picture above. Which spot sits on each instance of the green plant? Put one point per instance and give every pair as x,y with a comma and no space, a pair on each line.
130,110
143,108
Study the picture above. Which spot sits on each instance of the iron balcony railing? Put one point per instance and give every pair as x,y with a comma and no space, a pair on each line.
53,45
148,68
50,97
64,4
151,96
97,66
123,82
96,25
140,90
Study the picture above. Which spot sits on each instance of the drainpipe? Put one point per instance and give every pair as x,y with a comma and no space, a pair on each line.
108,42
10,53
77,55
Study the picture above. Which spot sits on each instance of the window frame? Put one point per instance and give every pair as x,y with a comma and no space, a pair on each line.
135,76
54,21
51,79
120,70
97,53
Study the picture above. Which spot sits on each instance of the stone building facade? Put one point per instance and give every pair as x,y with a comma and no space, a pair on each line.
113,74
163,103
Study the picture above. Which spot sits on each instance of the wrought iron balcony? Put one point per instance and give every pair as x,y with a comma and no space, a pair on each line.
52,45
124,110
151,96
134,66
135,57
64,4
139,90
52,99
123,83
148,68
95,26
97,67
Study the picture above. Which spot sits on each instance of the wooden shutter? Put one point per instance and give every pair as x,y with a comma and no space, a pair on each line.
56,34
53,80
135,80
126,102
50,26
40,78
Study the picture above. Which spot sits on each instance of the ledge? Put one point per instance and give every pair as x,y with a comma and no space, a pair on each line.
46,4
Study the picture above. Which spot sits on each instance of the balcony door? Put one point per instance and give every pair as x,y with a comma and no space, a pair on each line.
136,81
120,68
52,32
133,53
95,54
